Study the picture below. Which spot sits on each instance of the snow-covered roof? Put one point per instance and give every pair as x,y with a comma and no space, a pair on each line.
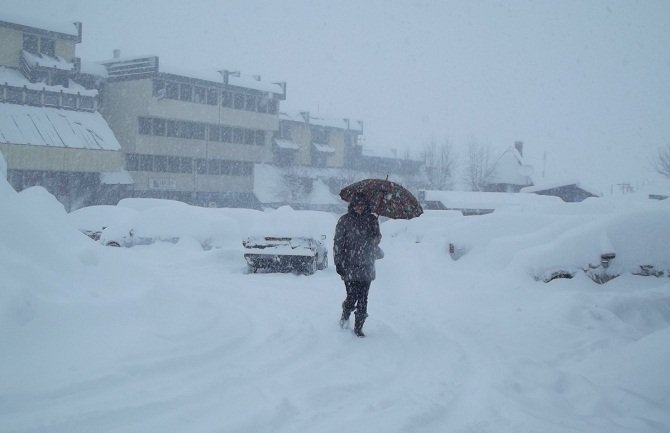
286,144
247,82
510,169
46,126
45,61
327,122
559,184
12,77
93,68
66,28
321,147
487,200
215,76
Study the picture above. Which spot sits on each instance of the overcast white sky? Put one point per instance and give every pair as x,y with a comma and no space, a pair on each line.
584,82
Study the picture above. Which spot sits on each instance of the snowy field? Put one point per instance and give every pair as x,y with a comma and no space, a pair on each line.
178,337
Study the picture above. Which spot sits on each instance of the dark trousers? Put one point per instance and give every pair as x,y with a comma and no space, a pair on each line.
357,297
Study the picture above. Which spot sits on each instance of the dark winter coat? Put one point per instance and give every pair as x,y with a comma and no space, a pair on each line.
355,245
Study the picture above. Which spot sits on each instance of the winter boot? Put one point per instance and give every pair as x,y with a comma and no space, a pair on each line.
358,325
344,320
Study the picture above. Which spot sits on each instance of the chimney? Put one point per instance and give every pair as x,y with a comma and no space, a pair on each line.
117,54
518,145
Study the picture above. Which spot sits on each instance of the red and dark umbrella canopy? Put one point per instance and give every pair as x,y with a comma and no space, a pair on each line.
386,198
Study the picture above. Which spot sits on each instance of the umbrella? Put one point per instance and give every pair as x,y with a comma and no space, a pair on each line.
386,198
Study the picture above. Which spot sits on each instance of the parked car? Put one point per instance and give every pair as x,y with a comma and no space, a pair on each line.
303,255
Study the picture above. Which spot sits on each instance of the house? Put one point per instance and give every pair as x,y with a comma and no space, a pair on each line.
510,172
192,136
51,133
307,140
568,191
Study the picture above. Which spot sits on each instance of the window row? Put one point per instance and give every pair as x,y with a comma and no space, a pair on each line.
179,164
214,96
200,131
39,44
23,95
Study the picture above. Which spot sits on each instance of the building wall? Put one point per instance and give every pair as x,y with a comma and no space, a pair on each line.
11,46
27,157
124,102
65,49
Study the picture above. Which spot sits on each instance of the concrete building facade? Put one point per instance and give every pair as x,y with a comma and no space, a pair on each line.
51,134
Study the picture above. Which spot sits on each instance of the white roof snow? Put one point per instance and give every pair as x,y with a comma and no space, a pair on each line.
546,186
510,169
321,147
487,200
66,28
47,61
286,144
46,126
12,77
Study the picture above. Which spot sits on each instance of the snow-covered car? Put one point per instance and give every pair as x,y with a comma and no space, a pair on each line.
634,242
143,222
303,255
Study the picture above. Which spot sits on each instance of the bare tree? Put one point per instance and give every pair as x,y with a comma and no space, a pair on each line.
440,163
479,169
662,161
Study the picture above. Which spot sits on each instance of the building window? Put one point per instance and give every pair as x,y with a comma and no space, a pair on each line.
172,90
214,167
249,136
320,135
199,131
250,103
227,134
186,165
201,166
48,46
285,130
31,43
173,164
227,99
199,95
238,101
214,133
212,96
145,163
131,162
159,88
260,138
185,93
272,106
160,163
145,126
226,168
171,128
159,127
238,135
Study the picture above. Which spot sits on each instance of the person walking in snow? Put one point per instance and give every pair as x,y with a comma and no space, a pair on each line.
355,245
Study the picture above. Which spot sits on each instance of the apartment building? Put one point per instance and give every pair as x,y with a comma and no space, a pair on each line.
307,140
191,136
50,131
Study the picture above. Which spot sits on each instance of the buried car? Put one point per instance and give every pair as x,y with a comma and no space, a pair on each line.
298,254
